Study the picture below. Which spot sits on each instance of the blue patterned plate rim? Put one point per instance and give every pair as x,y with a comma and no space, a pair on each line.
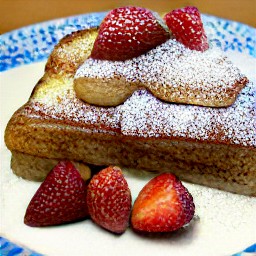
34,43
9,248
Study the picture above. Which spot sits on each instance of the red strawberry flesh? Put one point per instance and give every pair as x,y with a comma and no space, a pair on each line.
128,32
61,198
187,27
163,205
109,200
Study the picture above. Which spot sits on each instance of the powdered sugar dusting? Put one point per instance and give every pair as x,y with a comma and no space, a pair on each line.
146,116
175,72
66,108
143,115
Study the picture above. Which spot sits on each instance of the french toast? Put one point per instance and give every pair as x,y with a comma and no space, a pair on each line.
210,146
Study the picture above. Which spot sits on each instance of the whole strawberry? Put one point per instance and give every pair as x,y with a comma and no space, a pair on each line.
109,200
187,27
128,32
61,198
163,205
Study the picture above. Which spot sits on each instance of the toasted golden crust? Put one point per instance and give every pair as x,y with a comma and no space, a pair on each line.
70,52
219,166
213,147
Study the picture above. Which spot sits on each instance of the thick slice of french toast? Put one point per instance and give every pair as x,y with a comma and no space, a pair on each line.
215,147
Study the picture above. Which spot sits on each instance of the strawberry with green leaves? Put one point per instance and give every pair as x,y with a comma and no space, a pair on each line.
128,32
61,198
163,205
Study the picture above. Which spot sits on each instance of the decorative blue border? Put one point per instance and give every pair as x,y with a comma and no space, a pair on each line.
231,35
7,248
248,251
34,43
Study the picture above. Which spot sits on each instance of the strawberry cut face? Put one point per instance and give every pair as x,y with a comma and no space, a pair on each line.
128,32
163,205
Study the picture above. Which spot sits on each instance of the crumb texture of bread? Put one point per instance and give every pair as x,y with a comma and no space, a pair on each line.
36,168
215,147
30,167
239,180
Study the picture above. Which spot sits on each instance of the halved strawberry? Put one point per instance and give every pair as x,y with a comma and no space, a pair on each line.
163,205
61,198
128,32
187,27
109,200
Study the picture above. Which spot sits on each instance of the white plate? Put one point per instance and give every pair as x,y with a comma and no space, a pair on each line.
224,223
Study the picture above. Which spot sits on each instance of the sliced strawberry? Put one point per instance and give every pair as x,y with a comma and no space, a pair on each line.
61,198
128,32
187,27
109,200
163,205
